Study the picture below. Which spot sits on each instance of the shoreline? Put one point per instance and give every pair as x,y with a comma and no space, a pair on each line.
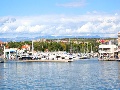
46,60
39,60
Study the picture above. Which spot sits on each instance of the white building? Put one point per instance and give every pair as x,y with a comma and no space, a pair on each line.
10,53
108,52
119,45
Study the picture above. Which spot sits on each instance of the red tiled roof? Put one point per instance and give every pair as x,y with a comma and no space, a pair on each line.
1,42
25,46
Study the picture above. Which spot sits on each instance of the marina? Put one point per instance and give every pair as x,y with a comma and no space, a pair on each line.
60,45
60,70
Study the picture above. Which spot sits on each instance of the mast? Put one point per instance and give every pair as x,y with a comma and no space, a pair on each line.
4,51
32,47
91,48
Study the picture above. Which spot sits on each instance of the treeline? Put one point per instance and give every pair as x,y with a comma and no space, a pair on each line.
82,45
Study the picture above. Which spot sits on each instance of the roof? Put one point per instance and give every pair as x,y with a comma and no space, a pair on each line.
1,42
25,46
10,50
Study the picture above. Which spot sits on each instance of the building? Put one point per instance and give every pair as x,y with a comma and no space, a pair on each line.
10,53
108,52
26,47
119,45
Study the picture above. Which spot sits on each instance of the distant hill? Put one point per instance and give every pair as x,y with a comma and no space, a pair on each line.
17,39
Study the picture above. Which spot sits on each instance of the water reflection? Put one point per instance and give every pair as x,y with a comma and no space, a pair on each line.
88,74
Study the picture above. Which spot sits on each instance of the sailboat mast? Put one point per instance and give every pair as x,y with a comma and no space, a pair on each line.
32,47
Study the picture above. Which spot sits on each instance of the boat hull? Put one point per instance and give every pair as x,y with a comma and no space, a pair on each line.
2,60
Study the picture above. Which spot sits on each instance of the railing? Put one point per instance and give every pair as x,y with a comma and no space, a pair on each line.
104,51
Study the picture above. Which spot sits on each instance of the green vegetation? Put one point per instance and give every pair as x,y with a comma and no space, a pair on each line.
17,44
74,45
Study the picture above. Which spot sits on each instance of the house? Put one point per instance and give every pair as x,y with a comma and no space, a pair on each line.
108,52
1,43
26,47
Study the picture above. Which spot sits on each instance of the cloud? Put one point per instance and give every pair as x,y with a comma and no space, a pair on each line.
88,24
20,29
5,20
73,4
36,28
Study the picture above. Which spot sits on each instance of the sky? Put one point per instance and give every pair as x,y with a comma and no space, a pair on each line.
32,18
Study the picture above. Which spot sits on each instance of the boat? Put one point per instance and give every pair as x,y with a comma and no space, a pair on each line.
47,57
25,57
2,60
84,56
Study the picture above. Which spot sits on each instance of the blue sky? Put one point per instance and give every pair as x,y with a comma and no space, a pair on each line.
59,17
45,7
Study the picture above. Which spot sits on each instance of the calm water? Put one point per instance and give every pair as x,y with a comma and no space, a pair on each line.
77,75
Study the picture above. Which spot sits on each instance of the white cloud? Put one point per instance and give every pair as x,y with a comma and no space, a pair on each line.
5,29
103,25
86,28
36,28
21,29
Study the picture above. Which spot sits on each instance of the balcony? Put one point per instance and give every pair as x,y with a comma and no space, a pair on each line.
105,51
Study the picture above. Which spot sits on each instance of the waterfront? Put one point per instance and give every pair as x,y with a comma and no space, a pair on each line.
78,75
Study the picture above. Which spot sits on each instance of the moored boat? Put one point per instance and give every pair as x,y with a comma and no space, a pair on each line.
2,60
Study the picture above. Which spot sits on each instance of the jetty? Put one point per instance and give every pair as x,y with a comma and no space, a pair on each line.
45,60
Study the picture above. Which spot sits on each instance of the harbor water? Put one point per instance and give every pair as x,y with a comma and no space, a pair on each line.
89,74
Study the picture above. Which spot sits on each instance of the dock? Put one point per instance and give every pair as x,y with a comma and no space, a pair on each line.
108,59
45,60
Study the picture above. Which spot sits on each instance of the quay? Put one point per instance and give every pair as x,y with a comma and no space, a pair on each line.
45,60
109,59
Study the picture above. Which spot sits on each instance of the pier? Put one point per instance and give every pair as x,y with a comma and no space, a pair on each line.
46,60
